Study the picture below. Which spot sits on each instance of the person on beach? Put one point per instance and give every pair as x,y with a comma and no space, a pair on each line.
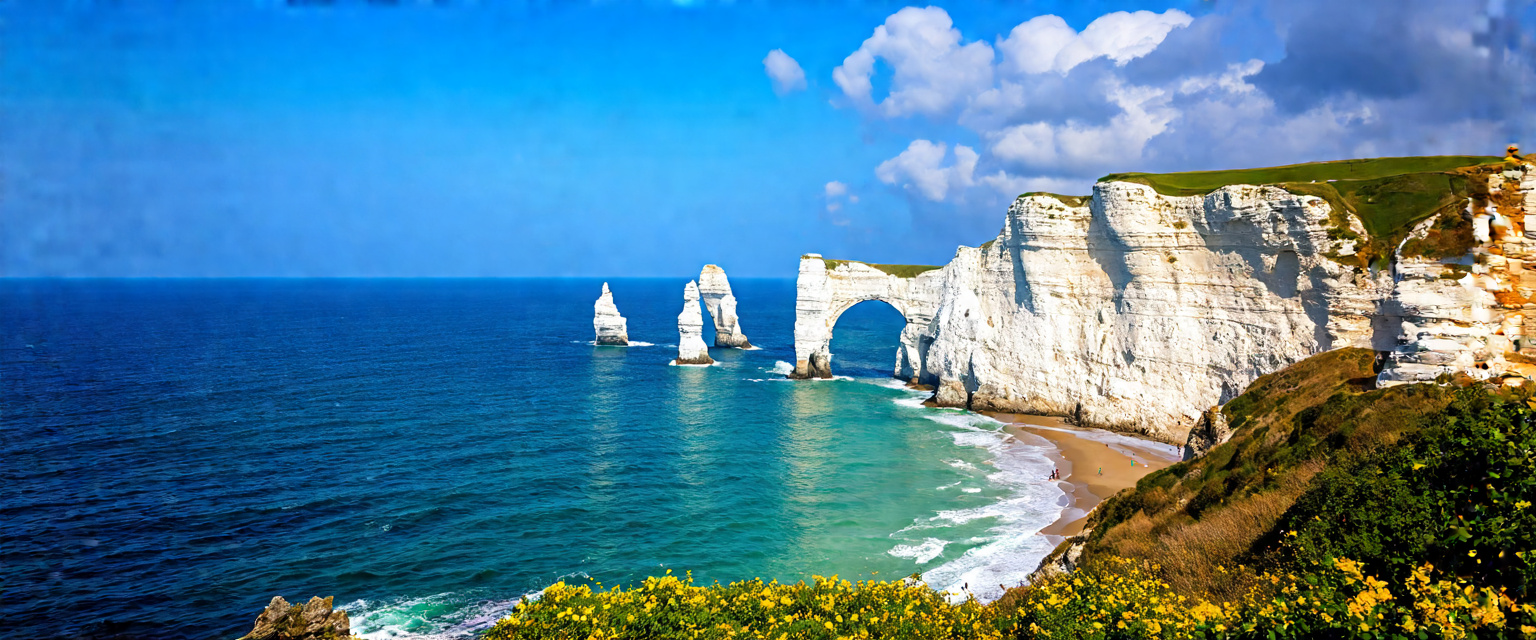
1101,471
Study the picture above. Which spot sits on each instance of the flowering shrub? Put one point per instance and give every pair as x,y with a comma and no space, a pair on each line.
667,607
1117,598
1111,599
1342,601
1121,598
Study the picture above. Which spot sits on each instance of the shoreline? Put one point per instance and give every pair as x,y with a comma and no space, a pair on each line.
1092,468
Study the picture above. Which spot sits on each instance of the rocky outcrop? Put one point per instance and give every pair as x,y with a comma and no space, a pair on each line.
1466,315
314,620
690,329
612,329
715,289
1212,430
823,294
1063,560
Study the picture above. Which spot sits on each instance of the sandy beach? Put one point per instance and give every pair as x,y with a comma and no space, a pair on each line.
1094,464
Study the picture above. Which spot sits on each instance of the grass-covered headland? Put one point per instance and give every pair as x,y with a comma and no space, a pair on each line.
1336,510
1388,195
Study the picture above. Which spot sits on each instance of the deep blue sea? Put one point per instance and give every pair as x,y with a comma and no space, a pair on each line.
177,452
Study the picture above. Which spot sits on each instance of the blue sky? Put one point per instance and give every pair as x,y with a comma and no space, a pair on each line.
479,138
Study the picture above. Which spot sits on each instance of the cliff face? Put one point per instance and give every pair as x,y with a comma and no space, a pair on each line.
1137,311
1468,314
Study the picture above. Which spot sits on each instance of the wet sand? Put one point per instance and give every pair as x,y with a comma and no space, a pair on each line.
1091,470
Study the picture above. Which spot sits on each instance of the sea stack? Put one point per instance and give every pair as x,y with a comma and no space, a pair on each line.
612,329
690,329
716,291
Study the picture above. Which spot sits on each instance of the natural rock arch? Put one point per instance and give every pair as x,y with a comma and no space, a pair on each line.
827,288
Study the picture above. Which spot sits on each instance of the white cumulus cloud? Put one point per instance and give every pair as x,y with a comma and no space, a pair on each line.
1046,43
1073,145
835,189
786,74
1012,185
931,69
1055,107
918,167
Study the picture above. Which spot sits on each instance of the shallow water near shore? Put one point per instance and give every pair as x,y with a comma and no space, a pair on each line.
429,451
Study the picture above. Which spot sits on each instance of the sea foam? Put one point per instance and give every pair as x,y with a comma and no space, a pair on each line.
1011,549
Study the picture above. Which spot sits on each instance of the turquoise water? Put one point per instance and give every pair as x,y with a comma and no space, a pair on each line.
178,452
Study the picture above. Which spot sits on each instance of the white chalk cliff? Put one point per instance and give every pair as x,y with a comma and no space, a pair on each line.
611,327
823,294
690,329
1137,311
715,289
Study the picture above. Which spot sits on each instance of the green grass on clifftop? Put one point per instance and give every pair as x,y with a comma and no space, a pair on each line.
898,270
1195,183
1071,201
1389,195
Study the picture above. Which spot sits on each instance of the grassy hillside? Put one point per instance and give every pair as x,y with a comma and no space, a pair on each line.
1388,195
1321,466
1195,516
898,270
1195,183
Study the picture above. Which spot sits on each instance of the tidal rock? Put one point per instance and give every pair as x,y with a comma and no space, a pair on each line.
715,289
314,620
611,327
1212,430
690,329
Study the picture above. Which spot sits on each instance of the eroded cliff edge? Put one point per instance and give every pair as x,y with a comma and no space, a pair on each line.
1137,311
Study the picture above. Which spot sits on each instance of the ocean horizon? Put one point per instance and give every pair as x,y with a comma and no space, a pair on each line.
429,451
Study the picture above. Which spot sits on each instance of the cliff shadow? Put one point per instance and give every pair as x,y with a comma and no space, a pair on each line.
1109,253
1282,276
1386,325
1022,296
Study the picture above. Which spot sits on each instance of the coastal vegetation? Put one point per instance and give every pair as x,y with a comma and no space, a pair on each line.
1387,195
898,270
1071,201
1113,598
1335,510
